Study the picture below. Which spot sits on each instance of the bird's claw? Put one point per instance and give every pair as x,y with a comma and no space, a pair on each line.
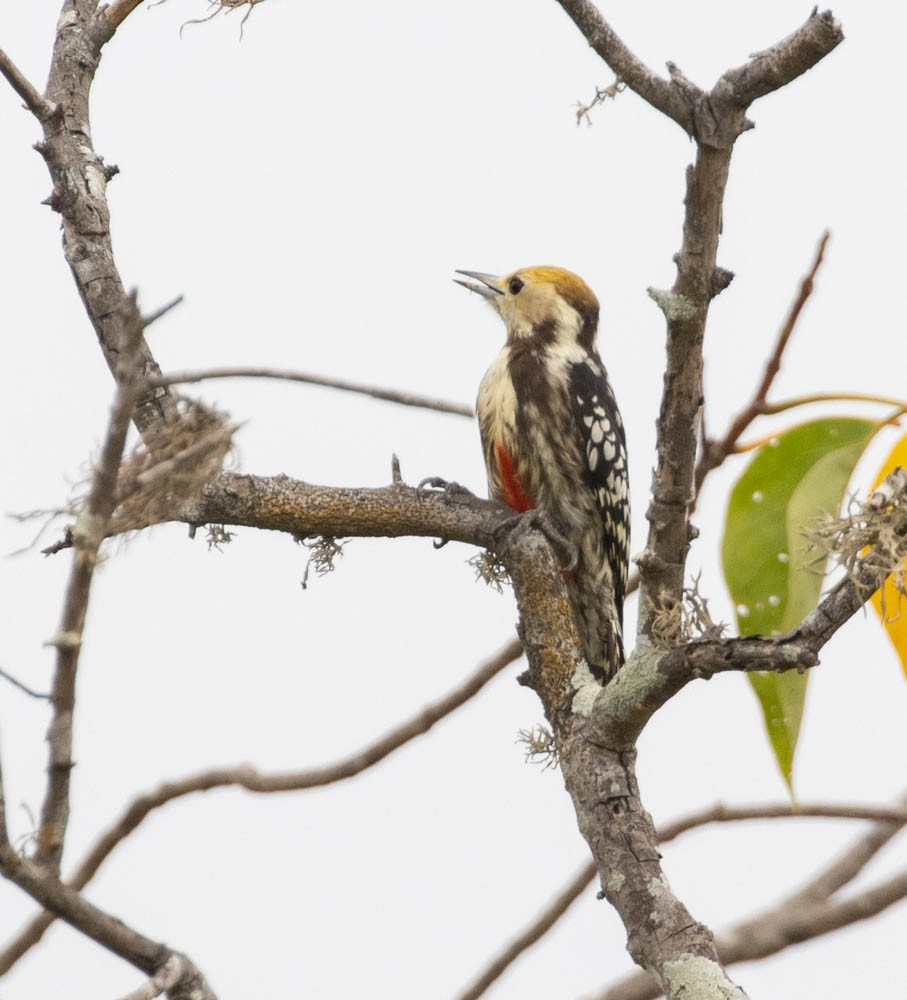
448,490
564,549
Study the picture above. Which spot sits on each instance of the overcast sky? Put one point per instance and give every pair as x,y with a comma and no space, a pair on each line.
310,190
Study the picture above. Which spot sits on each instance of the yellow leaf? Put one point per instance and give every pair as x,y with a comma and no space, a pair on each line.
890,604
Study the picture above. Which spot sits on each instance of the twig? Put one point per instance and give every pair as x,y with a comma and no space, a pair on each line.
543,923
39,106
87,535
158,313
719,813
832,397
847,866
254,781
715,452
389,395
23,687
806,289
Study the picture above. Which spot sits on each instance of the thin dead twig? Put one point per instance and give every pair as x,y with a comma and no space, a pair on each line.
543,923
714,452
376,392
88,534
153,317
23,687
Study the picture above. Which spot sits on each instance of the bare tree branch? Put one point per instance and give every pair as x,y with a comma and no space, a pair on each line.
719,813
87,536
714,118
252,780
539,927
660,93
44,887
781,64
807,913
847,866
304,510
39,107
389,395
79,193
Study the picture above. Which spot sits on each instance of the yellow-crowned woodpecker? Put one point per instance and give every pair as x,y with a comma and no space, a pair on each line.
554,440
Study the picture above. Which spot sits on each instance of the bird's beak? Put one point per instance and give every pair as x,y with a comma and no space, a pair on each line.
490,286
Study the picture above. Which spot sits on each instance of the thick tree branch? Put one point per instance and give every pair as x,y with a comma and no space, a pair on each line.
279,503
253,780
781,64
663,562
79,193
661,934
713,118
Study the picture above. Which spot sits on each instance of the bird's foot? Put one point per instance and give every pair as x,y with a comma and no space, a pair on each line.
566,552
448,490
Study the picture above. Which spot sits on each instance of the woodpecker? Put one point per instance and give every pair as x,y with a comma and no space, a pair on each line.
554,440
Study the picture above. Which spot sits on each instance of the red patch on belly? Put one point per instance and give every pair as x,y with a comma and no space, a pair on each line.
512,490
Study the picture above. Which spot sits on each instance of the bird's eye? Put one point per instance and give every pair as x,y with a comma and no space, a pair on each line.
515,285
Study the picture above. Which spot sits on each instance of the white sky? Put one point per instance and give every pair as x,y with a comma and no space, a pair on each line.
310,192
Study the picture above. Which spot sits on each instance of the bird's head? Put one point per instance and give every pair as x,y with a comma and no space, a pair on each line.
547,304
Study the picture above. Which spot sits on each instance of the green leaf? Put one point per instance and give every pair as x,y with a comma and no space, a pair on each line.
773,576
